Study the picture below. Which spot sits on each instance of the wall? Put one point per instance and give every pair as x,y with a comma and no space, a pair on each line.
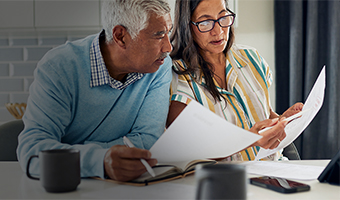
20,50
18,58
28,29
256,28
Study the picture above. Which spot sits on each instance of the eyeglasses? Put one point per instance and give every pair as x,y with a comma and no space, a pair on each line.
208,25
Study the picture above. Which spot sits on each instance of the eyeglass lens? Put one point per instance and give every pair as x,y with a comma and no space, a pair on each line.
208,25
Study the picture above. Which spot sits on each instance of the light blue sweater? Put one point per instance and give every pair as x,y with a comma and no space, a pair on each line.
63,111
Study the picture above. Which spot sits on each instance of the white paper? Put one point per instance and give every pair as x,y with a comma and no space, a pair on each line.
156,191
198,133
297,126
283,170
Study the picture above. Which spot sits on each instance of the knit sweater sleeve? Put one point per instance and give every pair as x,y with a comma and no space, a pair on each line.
48,114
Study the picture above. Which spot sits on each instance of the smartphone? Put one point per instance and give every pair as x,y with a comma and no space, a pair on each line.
279,184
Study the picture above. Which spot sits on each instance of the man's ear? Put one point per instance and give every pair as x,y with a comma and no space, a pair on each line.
119,34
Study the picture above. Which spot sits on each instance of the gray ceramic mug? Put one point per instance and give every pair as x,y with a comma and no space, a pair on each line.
221,181
59,169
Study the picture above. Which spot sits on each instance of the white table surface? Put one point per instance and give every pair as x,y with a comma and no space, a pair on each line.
15,185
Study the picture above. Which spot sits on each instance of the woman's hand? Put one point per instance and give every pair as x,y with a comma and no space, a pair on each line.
292,110
272,137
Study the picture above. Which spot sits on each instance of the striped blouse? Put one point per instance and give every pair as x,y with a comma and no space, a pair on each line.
248,80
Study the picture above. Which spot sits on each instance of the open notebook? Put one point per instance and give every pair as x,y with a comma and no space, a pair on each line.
196,135
169,171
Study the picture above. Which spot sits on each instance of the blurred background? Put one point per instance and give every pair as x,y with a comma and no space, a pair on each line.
295,37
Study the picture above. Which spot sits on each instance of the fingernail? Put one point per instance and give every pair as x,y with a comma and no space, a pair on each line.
149,154
154,162
275,119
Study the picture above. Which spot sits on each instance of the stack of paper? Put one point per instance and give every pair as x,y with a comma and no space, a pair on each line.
198,133
313,102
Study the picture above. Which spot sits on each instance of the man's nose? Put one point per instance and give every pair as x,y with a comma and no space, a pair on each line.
167,47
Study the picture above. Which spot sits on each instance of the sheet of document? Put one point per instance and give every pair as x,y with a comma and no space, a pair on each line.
283,170
156,191
198,133
293,129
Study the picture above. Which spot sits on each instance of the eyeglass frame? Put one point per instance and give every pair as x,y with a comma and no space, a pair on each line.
217,20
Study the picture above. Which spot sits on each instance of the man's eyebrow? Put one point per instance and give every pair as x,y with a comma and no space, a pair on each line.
172,26
158,33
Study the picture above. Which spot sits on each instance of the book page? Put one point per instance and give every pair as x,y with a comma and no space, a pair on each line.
187,165
296,127
182,165
198,133
161,172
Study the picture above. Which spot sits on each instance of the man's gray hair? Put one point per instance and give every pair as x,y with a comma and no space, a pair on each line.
132,14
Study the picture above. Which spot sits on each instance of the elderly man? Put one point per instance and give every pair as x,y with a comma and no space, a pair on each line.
89,93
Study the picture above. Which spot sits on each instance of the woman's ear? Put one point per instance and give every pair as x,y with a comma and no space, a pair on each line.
119,34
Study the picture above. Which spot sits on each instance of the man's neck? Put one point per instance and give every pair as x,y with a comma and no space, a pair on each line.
111,60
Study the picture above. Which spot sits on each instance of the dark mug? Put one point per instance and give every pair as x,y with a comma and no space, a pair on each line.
221,181
59,169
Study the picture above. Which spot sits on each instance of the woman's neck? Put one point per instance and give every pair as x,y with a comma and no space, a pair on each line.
215,59
217,62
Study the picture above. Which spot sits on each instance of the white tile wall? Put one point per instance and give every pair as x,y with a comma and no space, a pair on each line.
18,59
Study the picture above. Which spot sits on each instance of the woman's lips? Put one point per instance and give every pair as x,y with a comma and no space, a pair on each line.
217,42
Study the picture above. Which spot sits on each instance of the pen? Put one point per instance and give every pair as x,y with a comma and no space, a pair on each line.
299,114
128,143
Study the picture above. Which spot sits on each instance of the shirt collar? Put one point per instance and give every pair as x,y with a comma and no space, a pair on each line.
235,54
99,73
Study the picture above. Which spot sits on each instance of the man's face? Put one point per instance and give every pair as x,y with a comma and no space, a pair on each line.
148,50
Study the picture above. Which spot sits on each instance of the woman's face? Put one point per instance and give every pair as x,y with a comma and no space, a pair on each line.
213,41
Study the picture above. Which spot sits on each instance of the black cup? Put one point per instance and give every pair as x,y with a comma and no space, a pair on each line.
221,181
59,169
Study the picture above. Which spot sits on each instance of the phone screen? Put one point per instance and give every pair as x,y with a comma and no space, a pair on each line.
279,184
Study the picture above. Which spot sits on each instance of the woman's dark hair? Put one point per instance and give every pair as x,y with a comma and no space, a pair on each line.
184,46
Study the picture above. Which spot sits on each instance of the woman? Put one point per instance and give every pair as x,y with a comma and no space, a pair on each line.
231,80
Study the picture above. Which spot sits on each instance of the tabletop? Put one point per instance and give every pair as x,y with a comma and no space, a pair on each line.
15,185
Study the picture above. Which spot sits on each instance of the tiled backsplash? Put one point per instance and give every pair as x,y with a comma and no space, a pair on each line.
18,59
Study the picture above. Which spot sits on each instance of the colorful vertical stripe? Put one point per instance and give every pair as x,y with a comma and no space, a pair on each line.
248,79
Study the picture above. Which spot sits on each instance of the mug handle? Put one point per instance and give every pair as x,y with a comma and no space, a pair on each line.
28,168
200,182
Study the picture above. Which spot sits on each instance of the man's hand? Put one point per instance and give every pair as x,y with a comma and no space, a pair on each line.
272,137
122,163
